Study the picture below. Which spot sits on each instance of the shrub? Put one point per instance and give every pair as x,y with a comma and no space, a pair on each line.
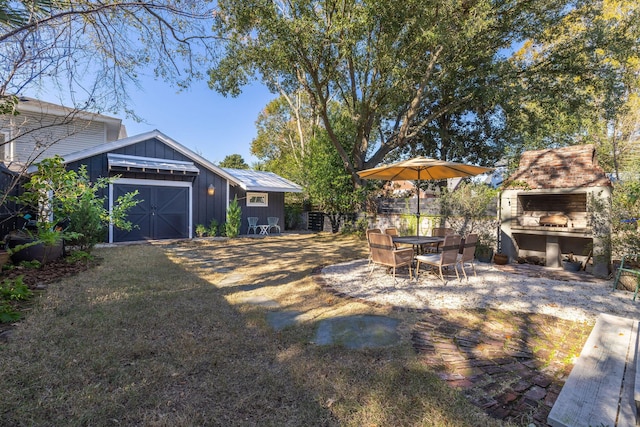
213,228
11,291
14,290
60,196
201,230
234,217
468,209
357,227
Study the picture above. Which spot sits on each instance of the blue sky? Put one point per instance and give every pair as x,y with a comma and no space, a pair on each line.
200,118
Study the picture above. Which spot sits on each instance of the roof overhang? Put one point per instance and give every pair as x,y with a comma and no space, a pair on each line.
125,163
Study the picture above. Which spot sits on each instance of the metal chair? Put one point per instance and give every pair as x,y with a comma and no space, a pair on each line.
447,258
629,265
253,224
273,223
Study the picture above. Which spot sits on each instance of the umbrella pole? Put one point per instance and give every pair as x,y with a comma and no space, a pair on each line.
418,213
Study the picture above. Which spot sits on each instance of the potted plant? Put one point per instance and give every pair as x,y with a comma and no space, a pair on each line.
500,258
571,263
484,252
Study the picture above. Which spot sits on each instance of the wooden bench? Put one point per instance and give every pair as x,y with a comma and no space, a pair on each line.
603,388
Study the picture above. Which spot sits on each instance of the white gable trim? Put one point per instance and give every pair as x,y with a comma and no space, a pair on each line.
121,143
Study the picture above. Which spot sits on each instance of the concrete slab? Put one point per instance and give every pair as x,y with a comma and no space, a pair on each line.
361,331
279,320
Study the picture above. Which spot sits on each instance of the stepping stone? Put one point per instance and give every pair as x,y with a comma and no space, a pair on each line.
359,331
259,301
231,280
279,320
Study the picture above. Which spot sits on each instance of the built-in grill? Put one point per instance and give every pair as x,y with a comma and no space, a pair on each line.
544,209
567,210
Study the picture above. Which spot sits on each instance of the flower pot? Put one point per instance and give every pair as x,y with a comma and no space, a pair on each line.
572,265
501,259
37,252
4,257
484,256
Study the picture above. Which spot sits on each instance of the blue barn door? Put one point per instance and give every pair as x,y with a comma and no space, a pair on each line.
163,213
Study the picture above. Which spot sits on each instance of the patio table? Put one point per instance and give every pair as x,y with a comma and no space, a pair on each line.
418,241
264,228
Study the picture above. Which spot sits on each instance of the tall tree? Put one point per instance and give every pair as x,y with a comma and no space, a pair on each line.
234,161
91,53
284,129
94,51
580,81
384,61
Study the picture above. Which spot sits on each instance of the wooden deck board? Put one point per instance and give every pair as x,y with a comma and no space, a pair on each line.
627,415
636,387
590,394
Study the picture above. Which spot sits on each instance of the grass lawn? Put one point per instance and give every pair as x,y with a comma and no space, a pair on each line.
152,337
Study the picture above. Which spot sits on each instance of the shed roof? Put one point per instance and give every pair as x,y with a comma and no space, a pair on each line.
246,179
251,180
111,146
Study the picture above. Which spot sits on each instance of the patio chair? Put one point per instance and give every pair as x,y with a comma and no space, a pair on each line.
368,232
436,232
273,223
384,253
253,224
468,253
392,231
629,265
447,258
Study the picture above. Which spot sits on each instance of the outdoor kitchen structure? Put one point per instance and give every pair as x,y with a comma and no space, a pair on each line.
545,207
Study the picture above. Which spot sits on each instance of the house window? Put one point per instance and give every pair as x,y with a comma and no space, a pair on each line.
257,199
3,143
6,147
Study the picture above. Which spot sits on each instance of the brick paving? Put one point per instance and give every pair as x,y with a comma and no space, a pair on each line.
496,366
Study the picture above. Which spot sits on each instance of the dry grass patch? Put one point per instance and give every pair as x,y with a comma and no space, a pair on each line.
153,336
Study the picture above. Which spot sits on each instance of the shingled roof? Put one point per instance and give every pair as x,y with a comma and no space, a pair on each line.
567,167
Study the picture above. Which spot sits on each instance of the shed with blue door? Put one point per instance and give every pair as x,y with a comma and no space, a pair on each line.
177,187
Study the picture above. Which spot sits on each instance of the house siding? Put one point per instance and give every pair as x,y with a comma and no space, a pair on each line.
52,133
275,208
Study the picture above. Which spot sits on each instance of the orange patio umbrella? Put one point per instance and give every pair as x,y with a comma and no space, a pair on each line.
422,168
